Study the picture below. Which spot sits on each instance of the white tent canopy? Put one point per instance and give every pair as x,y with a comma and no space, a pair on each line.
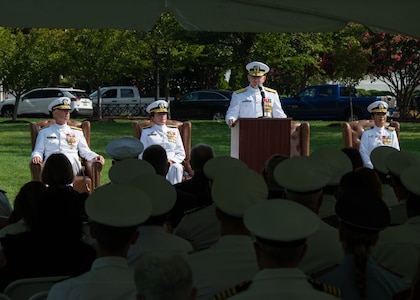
216,15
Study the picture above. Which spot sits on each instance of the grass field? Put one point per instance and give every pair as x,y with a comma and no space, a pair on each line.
15,148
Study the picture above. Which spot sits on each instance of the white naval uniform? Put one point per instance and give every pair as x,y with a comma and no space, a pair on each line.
247,103
201,227
156,239
63,139
230,261
324,250
170,139
398,248
376,137
287,283
109,278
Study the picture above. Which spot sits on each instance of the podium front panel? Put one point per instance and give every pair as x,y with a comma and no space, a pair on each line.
254,141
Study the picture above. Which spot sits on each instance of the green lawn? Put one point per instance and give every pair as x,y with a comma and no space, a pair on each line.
15,148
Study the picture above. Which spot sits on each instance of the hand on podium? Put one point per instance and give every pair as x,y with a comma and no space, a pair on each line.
232,123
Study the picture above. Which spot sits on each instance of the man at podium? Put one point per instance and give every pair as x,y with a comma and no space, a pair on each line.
255,100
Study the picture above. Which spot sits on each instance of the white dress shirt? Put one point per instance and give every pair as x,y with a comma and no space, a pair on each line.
63,139
154,238
247,103
109,278
230,261
375,137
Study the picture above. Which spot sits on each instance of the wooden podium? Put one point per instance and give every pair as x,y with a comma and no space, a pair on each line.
254,141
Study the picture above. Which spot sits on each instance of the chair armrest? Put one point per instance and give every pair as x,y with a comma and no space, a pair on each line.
93,170
35,171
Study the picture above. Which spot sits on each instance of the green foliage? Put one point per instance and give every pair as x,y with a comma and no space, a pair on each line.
395,60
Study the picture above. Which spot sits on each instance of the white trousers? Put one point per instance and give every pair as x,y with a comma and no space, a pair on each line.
175,173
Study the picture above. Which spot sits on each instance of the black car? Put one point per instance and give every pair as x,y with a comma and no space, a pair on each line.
202,104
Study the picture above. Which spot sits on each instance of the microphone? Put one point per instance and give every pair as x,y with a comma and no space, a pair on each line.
260,87
261,91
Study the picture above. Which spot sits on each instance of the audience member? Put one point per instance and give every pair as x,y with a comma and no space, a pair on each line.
303,179
125,170
60,137
379,134
232,259
160,276
154,237
53,246
396,163
25,210
274,189
115,229
362,217
280,228
354,156
398,247
201,226
123,148
5,207
339,164
157,157
168,137
198,185
378,157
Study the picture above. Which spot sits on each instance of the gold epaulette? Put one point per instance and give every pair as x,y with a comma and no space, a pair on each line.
390,128
241,90
172,126
192,210
148,126
76,128
270,90
243,286
332,290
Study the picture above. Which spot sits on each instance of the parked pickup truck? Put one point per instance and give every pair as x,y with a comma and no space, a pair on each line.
332,102
119,100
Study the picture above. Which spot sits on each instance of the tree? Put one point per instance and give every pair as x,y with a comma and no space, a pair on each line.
24,63
395,61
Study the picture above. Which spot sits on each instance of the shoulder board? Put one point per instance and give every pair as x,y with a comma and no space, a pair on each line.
76,128
323,287
172,126
45,127
390,128
148,126
391,271
243,286
367,128
324,271
241,90
270,90
193,210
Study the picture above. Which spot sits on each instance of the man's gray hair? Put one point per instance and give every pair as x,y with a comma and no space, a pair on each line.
161,276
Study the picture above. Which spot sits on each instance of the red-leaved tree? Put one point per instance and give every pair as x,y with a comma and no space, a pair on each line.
395,60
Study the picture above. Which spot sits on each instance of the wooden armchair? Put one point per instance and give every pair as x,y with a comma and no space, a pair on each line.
185,131
92,178
352,131
299,138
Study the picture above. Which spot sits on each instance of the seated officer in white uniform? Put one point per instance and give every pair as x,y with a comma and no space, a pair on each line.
168,137
62,138
255,100
114,229
379,135
280,228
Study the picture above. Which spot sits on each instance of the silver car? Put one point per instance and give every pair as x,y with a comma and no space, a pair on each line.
36,101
